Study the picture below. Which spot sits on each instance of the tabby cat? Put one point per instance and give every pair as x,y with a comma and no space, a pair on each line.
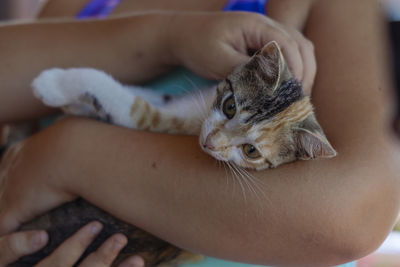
257,118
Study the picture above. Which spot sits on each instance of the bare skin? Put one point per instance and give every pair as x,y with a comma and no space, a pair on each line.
17,245
163,43
316,212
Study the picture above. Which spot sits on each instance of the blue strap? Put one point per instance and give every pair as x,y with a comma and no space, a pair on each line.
257,6
98,8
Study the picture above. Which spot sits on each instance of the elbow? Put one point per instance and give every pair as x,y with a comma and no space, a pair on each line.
367,216
355,218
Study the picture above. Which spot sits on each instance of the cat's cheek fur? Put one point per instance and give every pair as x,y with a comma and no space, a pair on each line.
237,157
212,122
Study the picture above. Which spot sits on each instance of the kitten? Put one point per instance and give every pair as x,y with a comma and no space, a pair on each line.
257,118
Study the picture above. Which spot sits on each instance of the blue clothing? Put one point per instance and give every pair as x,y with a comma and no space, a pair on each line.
98,9
182,80
257,6
102,8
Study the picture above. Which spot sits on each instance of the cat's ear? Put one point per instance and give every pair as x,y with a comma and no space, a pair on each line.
311,141
271,51
275,68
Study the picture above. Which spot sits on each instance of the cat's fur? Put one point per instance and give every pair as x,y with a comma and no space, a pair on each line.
257,118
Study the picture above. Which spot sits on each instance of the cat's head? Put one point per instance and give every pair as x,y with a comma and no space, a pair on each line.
260,117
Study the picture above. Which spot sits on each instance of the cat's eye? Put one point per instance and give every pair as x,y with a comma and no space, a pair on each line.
229,107
250,151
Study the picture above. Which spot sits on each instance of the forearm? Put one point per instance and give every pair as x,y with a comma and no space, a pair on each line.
305,212
314,212
110,45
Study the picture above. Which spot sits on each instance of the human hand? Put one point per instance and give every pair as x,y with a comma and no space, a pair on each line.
24,192
212,44
17,245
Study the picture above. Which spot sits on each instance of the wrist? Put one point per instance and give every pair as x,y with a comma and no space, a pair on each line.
61,156
161,36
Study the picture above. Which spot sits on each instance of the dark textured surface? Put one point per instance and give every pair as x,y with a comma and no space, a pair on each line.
2,151
62,222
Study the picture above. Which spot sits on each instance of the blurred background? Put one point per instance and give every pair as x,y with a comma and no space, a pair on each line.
388,255
18,9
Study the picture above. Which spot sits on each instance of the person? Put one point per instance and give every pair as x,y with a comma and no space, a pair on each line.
317,213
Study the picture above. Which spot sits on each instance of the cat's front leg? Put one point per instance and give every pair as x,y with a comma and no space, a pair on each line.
86,92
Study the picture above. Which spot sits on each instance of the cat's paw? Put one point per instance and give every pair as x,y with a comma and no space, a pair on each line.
49,87
59,87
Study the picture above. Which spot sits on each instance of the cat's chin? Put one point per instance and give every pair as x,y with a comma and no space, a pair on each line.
213,154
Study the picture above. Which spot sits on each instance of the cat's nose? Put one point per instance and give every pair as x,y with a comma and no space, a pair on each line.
209,144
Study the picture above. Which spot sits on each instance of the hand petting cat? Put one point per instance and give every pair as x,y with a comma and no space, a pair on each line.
224,41
210,44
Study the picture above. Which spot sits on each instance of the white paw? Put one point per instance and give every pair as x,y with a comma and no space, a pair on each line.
58,87
47,88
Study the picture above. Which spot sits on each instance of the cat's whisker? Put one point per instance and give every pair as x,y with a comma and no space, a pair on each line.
233,178
202,108
194,86
255,182
204,103
200,103
245,179
240,179
197,102
235,175
226,173
198,92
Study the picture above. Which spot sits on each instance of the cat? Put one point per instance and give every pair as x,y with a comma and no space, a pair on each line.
257,118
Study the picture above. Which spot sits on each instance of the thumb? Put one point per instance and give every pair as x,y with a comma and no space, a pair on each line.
229,60
17,245
8,222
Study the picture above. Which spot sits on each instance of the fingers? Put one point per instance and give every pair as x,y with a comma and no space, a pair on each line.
8,223
273,31
306,49
310,66
297,50
17,245
300,57
106,254
72,249
291,51
134,261
231,57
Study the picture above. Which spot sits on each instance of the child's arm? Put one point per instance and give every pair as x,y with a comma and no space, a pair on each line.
132,48
27,49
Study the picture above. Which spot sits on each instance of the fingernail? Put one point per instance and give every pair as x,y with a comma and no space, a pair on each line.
95,228
135,261
119,242
39,239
